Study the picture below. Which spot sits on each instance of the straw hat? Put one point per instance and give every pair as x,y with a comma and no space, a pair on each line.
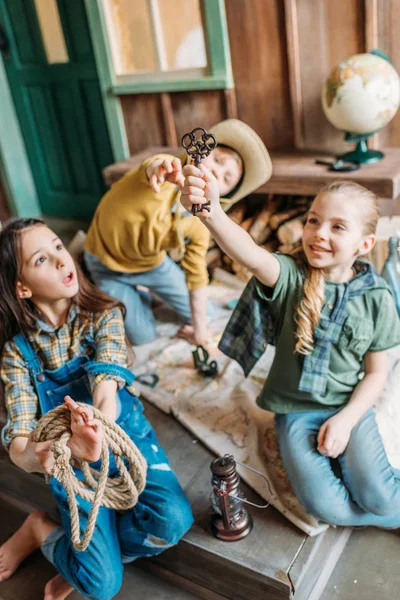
256,160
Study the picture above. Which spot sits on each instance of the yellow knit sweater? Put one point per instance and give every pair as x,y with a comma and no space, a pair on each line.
133,227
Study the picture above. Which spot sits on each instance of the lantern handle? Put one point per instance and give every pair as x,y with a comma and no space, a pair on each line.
263,477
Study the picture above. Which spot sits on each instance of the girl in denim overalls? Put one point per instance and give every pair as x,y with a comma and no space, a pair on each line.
63,341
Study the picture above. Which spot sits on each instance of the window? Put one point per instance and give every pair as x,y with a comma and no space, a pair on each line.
167,45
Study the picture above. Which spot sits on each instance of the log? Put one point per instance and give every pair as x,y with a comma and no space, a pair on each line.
226,260
241,272
302,201
270,246
291,231
271,228
259,229
247,223
212,243
262,238
213,256
236,213
277,220
227,278
285,249
260,224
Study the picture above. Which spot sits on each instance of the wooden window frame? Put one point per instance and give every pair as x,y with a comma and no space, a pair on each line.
218,54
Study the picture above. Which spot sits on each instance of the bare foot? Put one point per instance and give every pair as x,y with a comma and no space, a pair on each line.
87,433
57,589
26,540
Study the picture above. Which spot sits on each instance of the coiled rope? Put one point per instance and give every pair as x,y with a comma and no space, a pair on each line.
119,493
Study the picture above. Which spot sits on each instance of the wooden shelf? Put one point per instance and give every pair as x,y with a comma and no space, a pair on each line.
296,173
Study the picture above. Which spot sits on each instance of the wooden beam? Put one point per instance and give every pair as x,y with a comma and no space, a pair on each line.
371,42
371,24
293,53
231,103
171,137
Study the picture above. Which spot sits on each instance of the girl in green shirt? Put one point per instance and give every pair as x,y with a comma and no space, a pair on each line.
331,318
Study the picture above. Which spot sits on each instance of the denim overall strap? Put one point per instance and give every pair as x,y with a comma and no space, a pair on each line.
28,354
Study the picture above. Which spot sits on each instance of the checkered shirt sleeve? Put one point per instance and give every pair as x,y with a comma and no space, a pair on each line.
20,396
109,334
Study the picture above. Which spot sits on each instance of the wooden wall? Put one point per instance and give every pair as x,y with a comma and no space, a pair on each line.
282,51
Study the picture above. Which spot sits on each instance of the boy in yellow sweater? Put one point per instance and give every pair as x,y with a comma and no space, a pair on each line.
140,218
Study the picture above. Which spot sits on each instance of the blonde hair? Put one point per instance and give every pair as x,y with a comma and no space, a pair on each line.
309,309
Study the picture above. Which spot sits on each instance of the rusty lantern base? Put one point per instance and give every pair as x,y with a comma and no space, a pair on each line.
237,529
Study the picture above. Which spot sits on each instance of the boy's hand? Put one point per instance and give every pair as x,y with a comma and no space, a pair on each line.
200,186
334,436
161,170
195,338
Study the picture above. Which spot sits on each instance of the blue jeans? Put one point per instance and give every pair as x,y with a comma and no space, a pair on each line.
367,492
167,280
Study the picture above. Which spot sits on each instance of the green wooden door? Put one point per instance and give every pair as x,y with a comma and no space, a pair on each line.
53,79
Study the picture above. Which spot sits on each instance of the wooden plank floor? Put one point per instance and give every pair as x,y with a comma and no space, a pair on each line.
369,568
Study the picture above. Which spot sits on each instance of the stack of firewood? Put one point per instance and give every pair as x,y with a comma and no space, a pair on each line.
277,225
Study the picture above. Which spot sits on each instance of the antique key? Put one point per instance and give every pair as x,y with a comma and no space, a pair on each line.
199,144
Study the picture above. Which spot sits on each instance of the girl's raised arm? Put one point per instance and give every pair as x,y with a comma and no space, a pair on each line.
200,184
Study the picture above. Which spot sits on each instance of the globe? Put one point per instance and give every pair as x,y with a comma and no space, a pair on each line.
360,97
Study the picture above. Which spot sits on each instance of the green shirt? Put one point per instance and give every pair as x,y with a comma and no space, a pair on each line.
371,325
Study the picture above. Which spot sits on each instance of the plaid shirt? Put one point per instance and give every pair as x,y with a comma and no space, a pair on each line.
251,328
316,365
54,348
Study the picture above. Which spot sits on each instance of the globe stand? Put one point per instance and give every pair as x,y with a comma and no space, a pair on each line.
361,154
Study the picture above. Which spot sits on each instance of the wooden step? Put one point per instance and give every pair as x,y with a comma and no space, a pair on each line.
30,579
276,561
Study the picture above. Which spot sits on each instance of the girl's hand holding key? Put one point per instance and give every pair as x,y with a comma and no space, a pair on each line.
200,186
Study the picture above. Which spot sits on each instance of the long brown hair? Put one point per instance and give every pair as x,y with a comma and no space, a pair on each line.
310,306
17,314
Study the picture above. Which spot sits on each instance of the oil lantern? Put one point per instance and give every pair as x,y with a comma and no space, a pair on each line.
230,520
